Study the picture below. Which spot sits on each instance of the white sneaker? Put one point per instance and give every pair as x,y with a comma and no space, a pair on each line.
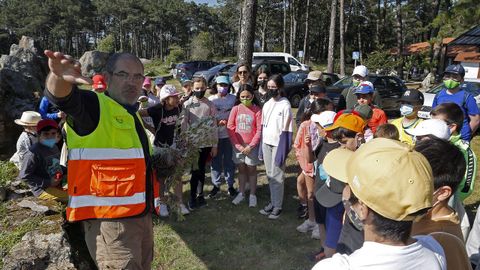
267,209
183,209
238,199
163,210
252,201
316,233
306,226
275,213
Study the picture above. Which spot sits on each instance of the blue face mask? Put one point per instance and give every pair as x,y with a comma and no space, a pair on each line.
48,142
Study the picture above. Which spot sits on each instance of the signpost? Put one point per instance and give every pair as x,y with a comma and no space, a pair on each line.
355,56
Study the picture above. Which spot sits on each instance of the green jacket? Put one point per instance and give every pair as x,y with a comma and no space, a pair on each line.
466,186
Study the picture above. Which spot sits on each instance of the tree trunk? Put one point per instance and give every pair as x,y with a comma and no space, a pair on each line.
247,34
342,42
285,26
399,25
264,34
305,38
331,37
377,24
292,26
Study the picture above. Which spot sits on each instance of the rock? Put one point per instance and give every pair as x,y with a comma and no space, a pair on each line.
34,206
22,73
40,251
145,61
3,194
93,62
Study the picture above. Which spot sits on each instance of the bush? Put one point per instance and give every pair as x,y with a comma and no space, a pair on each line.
107,44
202,45
382,61
8,172
175,55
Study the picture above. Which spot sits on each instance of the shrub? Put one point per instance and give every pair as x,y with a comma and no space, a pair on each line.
8,172
106,44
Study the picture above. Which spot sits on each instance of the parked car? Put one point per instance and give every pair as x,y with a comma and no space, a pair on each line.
186,70
278,56
296,87
390,88
472,86
211,73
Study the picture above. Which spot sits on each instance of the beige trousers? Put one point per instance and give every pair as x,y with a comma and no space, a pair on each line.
121,243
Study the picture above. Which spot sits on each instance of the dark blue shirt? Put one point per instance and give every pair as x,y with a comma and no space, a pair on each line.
468,104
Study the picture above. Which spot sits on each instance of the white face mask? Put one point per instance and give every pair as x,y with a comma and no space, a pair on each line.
406,109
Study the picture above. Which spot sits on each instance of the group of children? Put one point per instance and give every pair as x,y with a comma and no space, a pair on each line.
254,124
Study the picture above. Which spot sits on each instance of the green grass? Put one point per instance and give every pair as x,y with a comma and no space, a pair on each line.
224,236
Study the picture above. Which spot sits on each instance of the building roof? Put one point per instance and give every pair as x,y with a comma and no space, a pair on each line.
470,57
471,37
418,47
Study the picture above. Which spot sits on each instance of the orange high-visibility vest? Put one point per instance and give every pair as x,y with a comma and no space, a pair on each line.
106,169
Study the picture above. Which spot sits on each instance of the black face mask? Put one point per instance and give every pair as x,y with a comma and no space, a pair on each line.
199,94
262,83
273,93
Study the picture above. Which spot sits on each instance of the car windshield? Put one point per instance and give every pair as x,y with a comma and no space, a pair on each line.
345,81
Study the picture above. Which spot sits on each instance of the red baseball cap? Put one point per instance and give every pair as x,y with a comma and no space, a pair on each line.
46,123
99,84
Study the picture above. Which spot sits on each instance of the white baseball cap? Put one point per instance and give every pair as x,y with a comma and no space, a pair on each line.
360,70
325,119
435,127
168,90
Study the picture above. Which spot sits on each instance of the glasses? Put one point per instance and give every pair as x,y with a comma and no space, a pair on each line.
126,76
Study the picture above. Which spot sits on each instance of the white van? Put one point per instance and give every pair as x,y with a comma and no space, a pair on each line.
286,57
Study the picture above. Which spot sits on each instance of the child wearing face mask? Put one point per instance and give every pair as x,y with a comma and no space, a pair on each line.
448,168
194,109
411,102
244,128
41,168
261,88
222,162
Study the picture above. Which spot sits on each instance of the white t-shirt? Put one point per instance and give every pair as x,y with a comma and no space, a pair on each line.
276,118
426,253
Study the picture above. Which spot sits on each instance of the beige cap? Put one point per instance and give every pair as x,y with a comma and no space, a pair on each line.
388,176
29,118
314,75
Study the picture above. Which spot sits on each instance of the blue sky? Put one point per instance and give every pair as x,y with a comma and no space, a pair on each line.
209,2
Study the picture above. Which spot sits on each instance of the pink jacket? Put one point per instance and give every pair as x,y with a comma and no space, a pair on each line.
300,148
245,126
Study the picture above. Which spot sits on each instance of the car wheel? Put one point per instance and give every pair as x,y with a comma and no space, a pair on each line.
295,100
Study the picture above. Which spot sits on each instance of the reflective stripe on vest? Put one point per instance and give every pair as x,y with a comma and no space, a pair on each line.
106,168
104,153
90,200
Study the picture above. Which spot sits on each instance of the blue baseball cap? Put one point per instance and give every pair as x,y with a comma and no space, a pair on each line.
455,69
222,79
159,81
364,88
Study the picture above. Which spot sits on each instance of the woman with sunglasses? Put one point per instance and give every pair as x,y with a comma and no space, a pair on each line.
242,76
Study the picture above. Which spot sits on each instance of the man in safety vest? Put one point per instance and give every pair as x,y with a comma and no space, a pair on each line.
110,185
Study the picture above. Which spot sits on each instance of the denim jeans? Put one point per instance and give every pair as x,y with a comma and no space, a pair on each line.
223,161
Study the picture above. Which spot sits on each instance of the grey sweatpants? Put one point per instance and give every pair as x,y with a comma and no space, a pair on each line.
275,175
